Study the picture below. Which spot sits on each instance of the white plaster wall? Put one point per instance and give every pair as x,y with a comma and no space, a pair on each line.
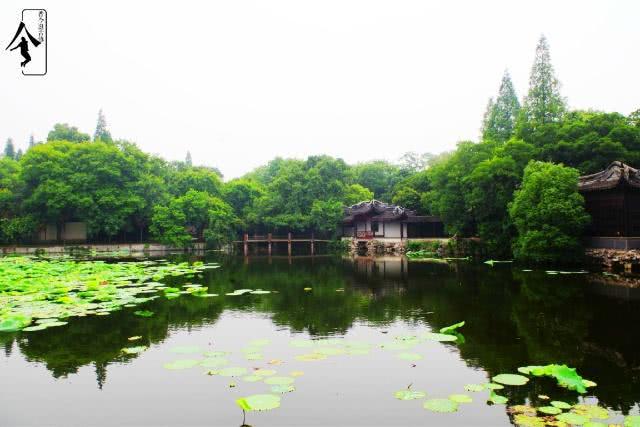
392,229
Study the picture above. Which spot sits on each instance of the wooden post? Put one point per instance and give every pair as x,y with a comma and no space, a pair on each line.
269,243
289,243
246,244
312,248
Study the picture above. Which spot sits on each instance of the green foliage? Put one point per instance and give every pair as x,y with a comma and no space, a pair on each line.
380,177
102,133
64,132
356,193
548,213
543,103
500,118
10,149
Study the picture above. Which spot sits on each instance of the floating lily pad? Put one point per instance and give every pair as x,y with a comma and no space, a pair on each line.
214,362
260,342
591,411
296,373
264,372
460,398
409,394
279,380
215,353
525,420
232,372
474,387
492,386
143,313
282,388
550,410
252,378
594,424
439,337
511,379
497,399
260,292
181,364
134,350
560,404
259,402
441,405
311,357
571,418
632,421
136,338
409,356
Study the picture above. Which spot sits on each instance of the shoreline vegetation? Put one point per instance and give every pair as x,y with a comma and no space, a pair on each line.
515,189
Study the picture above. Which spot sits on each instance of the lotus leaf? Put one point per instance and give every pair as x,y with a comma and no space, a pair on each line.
181,364
460,398
282,388
214,362
143,313
232,372
497,399
259,402
632,421
549,410
474,387
264,372
134,350
451,329
252,378
591,411
186,349
409,394
572,418
441,405
311,357
510,379
440,337
560,404
529,421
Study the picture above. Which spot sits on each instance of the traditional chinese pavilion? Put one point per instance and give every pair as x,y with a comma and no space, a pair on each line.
612,198
377,220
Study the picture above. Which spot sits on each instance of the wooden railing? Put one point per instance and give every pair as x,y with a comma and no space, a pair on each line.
364,234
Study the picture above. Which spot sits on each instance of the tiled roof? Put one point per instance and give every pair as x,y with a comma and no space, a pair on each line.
615,174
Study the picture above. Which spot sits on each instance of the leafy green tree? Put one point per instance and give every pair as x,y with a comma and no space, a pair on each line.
242,194
378,176
412,162
543,103
493,182
223,224
102,133
64,132
356,193
450,187
10,149
197,178
548,213
408,198
500,119
326,215
168,226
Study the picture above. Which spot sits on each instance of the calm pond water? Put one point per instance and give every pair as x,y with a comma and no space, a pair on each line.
76,375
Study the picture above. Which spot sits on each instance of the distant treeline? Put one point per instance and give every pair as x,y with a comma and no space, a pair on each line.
516,188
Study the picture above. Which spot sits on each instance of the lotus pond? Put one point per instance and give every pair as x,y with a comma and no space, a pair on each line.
313,341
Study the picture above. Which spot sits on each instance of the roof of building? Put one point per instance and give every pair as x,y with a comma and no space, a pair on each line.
615,174
380,211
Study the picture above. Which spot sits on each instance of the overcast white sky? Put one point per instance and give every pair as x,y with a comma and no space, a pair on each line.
239,82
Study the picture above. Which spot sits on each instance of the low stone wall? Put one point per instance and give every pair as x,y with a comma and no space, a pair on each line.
384,246
60,249
615,259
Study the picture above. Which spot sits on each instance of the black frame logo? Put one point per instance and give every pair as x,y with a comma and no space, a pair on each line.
31,42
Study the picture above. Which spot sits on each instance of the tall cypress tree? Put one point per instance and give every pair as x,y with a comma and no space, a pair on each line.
543,104
10,149
32,141
500,118
187,160
102,133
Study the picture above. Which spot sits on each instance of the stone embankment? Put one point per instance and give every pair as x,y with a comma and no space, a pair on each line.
86,247
616,259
